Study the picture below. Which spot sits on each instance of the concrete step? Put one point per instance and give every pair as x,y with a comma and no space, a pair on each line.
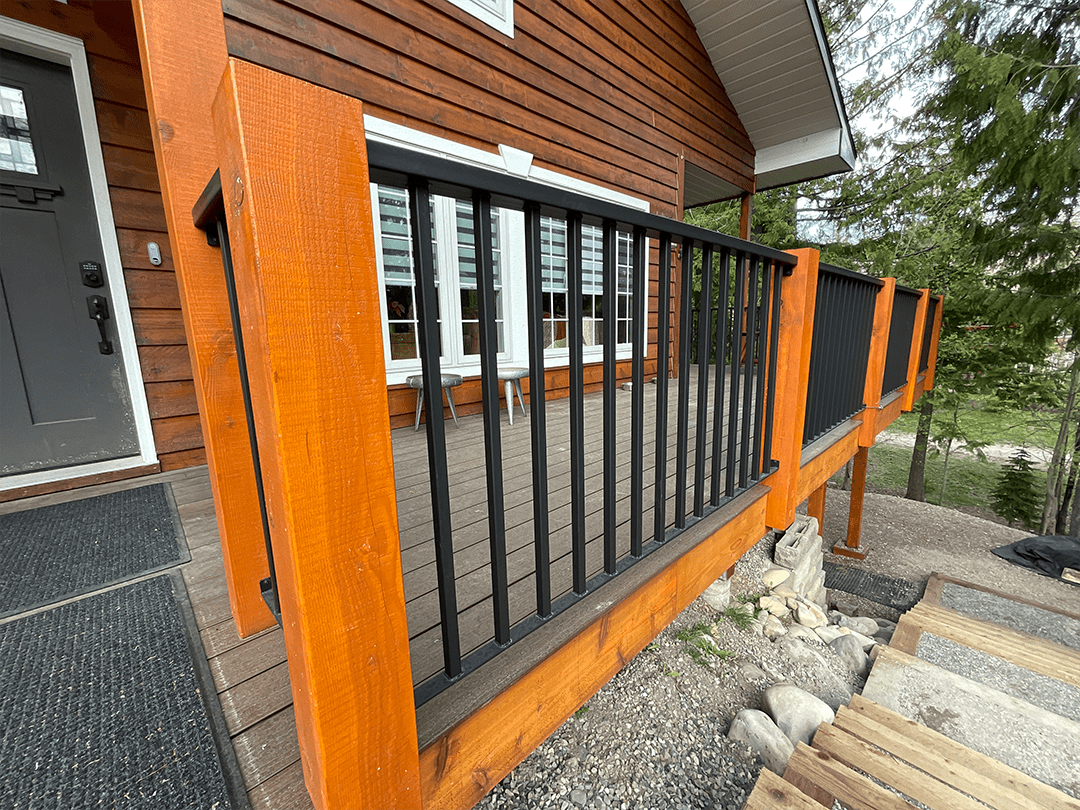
1024,736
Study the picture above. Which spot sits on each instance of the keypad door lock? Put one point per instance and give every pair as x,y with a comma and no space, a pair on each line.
99,311
92,276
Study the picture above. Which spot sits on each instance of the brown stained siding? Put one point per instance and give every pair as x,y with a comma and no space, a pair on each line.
613,93
108,33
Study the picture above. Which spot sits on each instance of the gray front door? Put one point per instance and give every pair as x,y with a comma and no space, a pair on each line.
63,396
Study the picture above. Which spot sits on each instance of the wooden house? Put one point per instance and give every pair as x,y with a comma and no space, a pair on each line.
277,213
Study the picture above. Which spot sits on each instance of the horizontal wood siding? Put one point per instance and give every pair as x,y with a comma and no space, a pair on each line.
614,94
108,33
618,94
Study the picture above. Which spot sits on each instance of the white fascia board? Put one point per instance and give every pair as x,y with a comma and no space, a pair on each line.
810,148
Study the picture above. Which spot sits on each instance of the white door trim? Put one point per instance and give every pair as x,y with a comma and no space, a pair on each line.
62,49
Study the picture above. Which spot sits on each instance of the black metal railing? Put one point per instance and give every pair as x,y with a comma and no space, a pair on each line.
840,351
928,334
209,216
901,330
723,413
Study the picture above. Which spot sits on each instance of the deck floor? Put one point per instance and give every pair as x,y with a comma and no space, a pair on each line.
469,511
251,675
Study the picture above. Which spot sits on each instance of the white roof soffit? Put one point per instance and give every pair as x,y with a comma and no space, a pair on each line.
775,64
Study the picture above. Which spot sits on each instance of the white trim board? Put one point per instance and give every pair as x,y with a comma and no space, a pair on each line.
65,50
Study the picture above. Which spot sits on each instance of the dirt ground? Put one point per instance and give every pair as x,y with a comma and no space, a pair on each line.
912,540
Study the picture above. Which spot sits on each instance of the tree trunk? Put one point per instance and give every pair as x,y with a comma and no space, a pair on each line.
916,482
1062,526
845,485
1055,474
945,471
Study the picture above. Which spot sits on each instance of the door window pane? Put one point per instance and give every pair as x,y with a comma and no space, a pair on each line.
16,148
469,296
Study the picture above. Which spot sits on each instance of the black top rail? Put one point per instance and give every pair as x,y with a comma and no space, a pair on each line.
840,351
392,165
928,333
905,308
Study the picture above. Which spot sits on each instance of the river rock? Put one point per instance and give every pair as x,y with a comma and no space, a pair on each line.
775,577
784,591
860,624
810,615
830,632
799,651
798,631
851,653
866,641
773,628
774,606
756,729
796,712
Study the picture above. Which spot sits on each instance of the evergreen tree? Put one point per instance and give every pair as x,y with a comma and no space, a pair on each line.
1016,495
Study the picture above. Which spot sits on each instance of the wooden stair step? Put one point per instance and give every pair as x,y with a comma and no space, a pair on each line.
773,793
1003,726
1028,651
851,788
861,755
983,777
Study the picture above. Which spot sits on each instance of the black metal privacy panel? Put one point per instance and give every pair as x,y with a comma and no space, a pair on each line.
209,216
840,351
721,434
928,334
905,306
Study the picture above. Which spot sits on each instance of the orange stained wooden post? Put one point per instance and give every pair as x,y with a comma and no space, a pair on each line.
179,91
295,178
746,215
855,509
797,300
932,360
875,366
815,506
916,349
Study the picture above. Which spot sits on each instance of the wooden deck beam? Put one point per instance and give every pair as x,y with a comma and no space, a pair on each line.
294,171
179,90
464,764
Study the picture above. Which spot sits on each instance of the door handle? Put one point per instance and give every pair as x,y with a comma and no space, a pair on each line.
99,311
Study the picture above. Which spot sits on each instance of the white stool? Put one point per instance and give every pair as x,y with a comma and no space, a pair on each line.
449,382
511,377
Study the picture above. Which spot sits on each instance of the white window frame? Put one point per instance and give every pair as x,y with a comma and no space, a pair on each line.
454,360
70,52
511,161
499,14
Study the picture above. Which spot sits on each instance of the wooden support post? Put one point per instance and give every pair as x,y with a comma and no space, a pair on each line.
855,509
295,177
932,361
179,90
815,507
916,350
875,367
746,215
797,301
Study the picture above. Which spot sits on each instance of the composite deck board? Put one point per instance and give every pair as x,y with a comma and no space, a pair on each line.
468,501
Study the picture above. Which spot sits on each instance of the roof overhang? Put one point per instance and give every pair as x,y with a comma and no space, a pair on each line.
774,62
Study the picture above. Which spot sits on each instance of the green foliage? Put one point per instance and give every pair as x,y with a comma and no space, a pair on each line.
699,644
1016,496
742,616
584,710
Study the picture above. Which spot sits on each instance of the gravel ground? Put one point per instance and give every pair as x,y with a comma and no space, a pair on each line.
655,735
912,540
1050,693
1026,618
